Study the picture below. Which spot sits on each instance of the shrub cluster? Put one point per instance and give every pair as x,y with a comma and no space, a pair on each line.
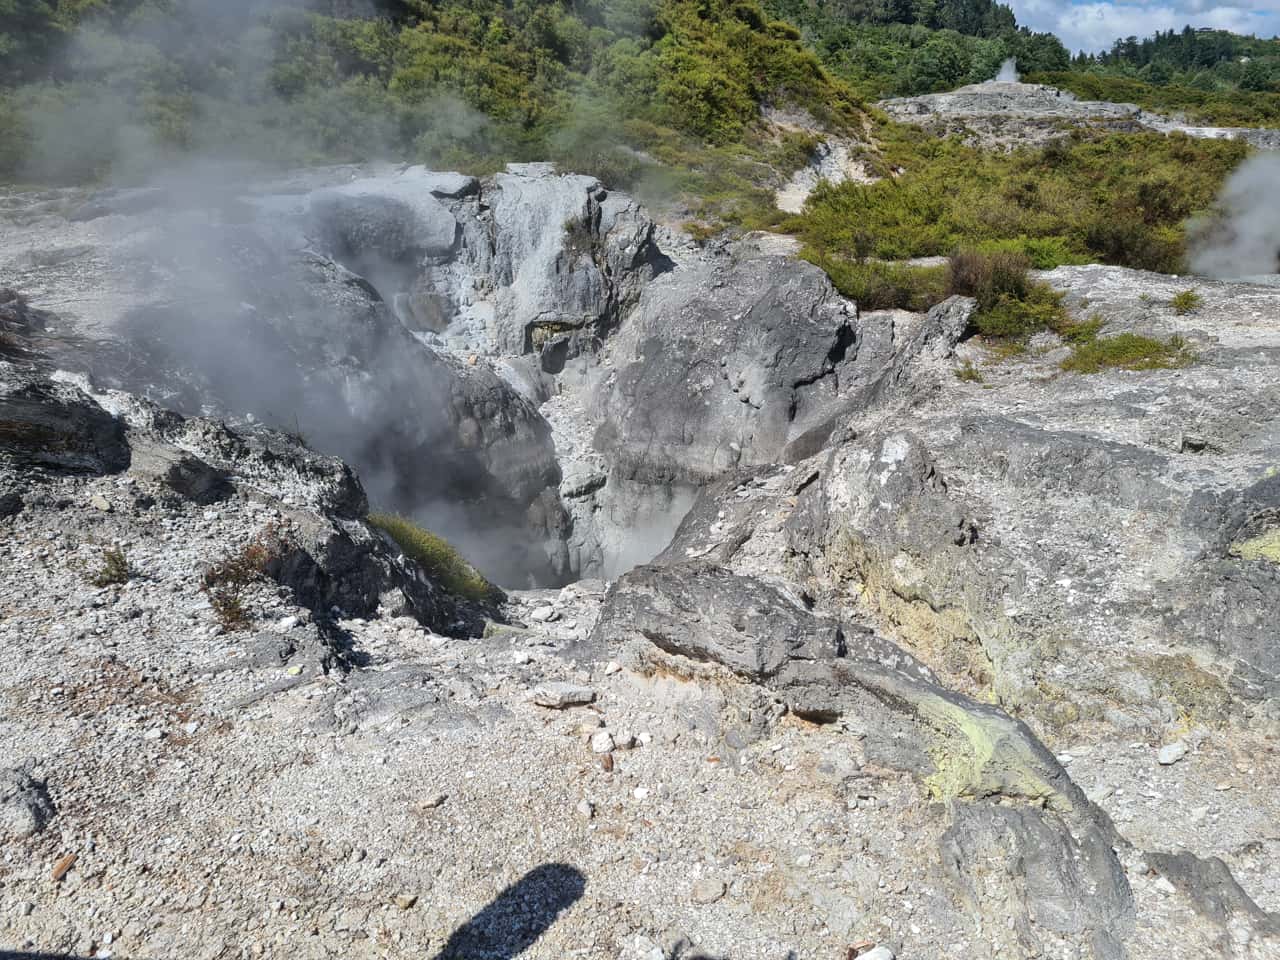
1119,199
115,568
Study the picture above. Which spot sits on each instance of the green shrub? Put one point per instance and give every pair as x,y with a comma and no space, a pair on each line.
1127,351
1010,304
989,277
885,286
968,373
1082,332
1014,317
1188,301
115,568
437,558
1116,198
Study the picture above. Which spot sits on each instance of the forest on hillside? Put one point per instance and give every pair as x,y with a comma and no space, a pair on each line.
667,98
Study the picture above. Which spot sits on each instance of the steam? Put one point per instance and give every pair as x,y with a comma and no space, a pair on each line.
1244,239
250,316
1008,71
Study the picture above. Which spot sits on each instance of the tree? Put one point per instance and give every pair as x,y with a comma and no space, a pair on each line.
28,35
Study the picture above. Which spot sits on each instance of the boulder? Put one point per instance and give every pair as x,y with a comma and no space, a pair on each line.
706,613
54,425
25,806
721,366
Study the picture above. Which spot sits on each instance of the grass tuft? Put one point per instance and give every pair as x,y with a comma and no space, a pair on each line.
1127,351
437,558
1188,301
115,568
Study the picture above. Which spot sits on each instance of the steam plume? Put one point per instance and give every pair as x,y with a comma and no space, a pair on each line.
1245,240
1008,71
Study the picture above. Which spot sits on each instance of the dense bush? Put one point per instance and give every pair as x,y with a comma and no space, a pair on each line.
468,82
1120,199
1201,98
894,49
886,286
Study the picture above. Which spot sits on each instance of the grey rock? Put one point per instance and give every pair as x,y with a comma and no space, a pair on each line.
1034,881
602,742
25,806
558,694
1216,895
721,367
1010,114
707,890
544,615
396,219
706,613
1171,753
50,424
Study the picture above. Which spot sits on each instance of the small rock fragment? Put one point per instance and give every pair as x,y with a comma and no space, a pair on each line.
559,694
406,900
544,615
1171,753
99,502
602,742
435,800
586,809
707,890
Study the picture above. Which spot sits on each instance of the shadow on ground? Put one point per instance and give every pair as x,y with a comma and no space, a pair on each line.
504,929
515,919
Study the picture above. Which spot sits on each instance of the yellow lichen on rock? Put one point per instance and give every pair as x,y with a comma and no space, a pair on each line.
1266,546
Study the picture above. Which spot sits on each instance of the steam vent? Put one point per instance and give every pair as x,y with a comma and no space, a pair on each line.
671,481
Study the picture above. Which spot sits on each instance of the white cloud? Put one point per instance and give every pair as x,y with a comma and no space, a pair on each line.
1092,26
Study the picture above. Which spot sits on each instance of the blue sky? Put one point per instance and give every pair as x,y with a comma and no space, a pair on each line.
1091,25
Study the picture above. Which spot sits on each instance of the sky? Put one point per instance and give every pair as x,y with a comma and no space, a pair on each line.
1091,25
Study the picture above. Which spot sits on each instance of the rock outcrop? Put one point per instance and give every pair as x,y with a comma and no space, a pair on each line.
1010,114
528,261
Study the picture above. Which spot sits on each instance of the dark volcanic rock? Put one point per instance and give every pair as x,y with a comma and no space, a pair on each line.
46,423
25,806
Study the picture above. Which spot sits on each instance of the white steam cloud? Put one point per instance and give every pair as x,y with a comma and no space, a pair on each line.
1245,240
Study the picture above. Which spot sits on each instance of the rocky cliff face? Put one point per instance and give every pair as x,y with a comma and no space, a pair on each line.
880,661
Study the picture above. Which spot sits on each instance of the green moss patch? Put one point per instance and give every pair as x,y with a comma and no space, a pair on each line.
1127,351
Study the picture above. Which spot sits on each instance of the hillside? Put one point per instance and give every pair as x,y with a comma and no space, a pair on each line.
473,84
